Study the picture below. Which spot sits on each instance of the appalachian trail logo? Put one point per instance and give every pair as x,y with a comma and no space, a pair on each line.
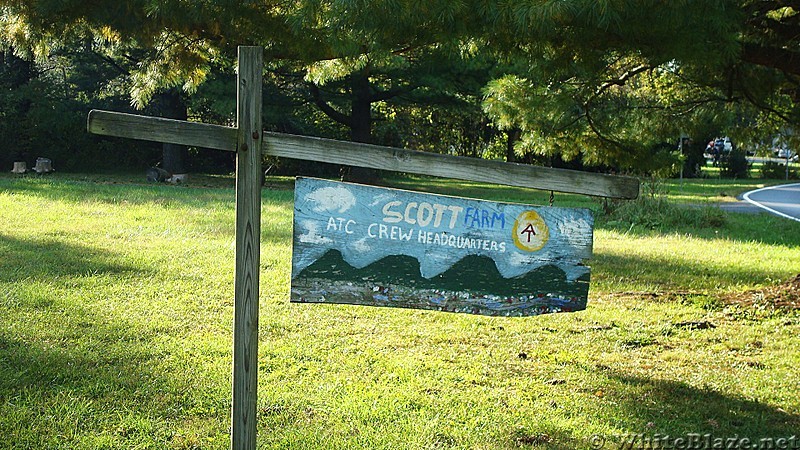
530,232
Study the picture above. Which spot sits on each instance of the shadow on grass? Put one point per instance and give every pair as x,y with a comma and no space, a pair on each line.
44,259
676,408
114,365
646,409
89,383
75,377
61,361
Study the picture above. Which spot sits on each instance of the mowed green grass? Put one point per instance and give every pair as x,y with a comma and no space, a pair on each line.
116,317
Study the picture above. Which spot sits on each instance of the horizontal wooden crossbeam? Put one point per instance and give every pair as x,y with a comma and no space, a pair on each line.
157,129
448,166
365,155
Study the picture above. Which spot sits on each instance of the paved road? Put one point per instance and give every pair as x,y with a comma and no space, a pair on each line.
782,200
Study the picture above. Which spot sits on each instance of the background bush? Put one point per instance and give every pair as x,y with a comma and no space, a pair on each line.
735,165
656,212
777,171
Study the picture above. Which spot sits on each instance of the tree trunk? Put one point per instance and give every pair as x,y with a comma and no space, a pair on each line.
361,127
174,157
361,111
514,135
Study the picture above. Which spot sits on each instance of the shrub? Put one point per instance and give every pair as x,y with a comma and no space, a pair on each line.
735,165
777,171
693,160
657,213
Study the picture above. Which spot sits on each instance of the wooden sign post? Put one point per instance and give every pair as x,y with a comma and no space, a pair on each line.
249,142
248,247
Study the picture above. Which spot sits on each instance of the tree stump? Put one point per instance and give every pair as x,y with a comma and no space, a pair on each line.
157,175
43,165
20,167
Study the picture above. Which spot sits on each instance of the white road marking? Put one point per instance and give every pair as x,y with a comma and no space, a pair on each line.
747,198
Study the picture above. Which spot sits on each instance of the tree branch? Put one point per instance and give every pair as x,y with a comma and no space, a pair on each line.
329,110
762,7
622,79
763,106
770,28
111,62
601,136
773,57
380,96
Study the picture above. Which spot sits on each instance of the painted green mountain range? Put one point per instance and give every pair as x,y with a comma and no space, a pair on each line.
477,274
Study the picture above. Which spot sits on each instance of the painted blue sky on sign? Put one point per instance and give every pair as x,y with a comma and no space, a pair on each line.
367,224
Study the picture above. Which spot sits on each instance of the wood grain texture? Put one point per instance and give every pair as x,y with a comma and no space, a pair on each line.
472,169
157,129
248,234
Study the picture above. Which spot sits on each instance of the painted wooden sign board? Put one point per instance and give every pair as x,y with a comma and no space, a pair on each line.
366,245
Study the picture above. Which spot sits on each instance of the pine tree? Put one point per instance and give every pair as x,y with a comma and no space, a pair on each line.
608,80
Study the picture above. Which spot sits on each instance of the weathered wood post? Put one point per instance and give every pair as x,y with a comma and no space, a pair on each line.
248,250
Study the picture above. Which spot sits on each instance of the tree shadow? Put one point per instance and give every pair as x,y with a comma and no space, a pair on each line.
29,361
86,381
677,409
92,371
49,258
69,373
647,409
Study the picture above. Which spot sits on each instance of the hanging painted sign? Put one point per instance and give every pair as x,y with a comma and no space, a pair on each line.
374,246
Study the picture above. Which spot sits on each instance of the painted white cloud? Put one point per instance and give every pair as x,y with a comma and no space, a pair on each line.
361,246
331,199
312,236
518,259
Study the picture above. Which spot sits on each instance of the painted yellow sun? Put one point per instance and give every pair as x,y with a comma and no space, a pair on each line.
530,232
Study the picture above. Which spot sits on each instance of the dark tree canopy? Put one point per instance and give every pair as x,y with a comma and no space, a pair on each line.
604,81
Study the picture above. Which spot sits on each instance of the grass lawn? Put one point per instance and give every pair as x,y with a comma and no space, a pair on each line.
116,306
